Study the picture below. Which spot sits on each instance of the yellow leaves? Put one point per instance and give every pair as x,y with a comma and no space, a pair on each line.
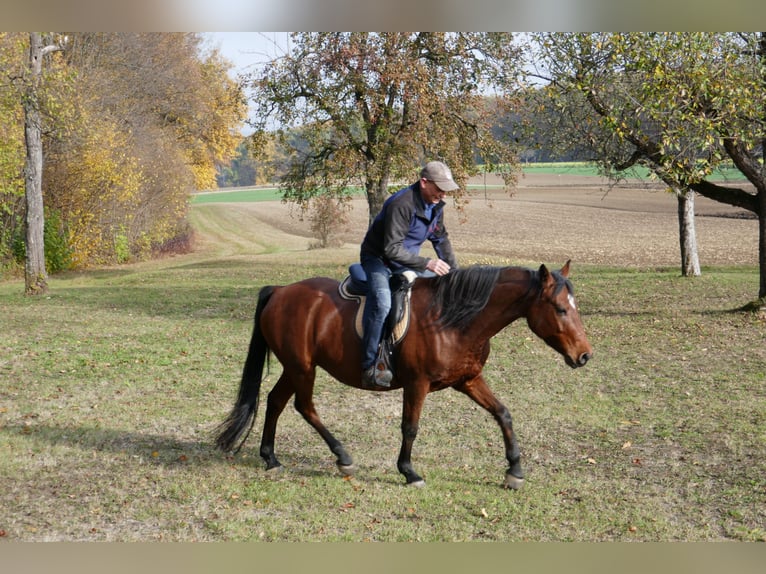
12,151
99,194
138,122
204,175
208,131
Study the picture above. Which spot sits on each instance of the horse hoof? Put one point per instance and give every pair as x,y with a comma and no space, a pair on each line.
347,469
417,483
513,482
275,469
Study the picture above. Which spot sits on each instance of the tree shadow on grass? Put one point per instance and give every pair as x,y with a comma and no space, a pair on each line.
212,288
161,449
212,264
173,452
163,301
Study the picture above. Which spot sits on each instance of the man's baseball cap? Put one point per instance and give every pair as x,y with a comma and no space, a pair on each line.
440,174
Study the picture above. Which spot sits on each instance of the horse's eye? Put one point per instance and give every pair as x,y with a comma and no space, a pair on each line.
561,310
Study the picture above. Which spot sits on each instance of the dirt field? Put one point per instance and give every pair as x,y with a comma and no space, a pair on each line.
549,219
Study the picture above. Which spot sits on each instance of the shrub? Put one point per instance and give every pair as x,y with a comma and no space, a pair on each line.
122,246
328,216
58,255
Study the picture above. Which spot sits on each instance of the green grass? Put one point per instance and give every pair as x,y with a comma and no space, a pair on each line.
563,168
114,383
238,196
579,168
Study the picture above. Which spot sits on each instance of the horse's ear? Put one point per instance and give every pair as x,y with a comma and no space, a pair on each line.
565,269
544,274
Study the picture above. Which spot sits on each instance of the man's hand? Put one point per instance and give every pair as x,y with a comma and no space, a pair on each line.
438,266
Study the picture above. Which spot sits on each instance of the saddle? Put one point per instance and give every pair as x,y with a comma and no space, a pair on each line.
354,288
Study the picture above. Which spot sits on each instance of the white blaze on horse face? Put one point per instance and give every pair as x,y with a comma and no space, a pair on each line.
572,301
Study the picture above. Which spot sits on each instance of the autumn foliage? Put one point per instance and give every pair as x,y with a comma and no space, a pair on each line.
133,124
368,109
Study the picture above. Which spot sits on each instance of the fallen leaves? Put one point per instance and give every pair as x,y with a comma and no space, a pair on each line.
570,495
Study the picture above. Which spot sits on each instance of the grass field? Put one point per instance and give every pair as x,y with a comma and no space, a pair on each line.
563,169
114,383
579,168
247,195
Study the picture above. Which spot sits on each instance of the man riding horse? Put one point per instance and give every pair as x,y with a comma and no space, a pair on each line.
392,244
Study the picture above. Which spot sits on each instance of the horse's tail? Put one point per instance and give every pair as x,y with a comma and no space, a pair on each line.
237,426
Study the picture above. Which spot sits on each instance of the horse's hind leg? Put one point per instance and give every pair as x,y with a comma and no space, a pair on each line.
478,390
304,404
275,404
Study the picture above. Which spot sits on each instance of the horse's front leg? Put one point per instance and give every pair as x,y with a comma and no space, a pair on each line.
478,390
414,396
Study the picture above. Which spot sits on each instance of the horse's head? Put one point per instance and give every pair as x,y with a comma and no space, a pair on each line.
554,317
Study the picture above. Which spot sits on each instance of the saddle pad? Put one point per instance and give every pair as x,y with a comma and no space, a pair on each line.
400,329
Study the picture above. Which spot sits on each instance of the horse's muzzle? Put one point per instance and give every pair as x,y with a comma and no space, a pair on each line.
581,361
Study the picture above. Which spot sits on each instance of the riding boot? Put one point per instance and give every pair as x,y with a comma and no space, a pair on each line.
377,375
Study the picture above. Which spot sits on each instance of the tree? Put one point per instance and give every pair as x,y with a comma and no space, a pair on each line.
681,104
371,107
687,233
129,125
562,122
35,274
152,118
241,171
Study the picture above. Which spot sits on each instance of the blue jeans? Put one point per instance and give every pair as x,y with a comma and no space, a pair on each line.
377,307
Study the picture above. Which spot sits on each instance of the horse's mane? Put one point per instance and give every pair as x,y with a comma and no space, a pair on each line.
460,295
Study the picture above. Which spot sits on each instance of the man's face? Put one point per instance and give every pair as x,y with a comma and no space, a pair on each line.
430,192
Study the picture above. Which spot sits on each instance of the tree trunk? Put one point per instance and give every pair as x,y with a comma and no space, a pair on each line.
377,193
690,263
36,277
762,244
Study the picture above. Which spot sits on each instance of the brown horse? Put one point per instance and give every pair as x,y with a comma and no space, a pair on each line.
308,325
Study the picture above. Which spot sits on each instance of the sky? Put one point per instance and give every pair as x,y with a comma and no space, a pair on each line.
247,49
244,49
